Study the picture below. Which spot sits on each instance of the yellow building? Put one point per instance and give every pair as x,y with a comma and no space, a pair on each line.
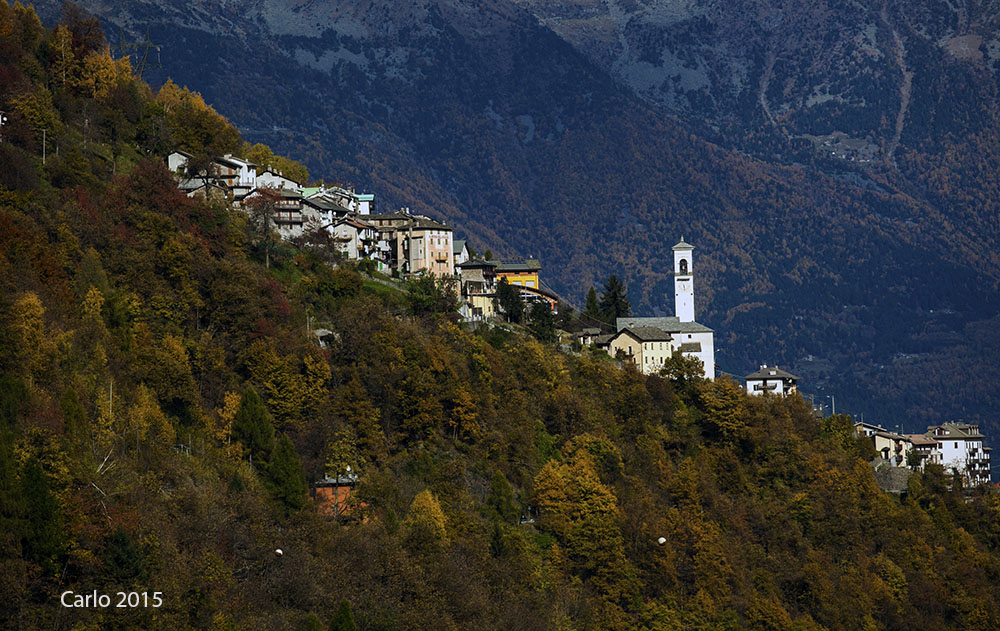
647,347
521,273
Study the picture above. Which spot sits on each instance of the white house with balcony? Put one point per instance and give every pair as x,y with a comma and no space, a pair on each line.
962,449
771,380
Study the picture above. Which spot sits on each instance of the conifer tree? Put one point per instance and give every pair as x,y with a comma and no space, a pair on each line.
285,478
311,623
252,427
592,309
43,540
614,302
543,324
509,301
343,620
501,498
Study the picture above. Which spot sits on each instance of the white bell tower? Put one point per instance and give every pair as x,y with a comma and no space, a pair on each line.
683,282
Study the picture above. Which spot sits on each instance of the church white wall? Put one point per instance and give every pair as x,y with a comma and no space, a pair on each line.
707,353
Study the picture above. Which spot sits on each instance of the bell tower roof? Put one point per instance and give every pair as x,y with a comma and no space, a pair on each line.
681,245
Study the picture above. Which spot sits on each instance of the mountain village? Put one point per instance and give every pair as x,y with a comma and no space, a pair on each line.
405,244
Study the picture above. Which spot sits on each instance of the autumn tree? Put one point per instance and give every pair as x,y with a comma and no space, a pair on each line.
196,127
261,209
261,155
726,409
582,512
424,527
428,295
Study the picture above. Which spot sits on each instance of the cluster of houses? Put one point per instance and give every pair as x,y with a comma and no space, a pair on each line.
404,244
956,446
400,243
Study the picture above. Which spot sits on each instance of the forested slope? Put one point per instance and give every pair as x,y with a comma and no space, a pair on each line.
499,121
162,409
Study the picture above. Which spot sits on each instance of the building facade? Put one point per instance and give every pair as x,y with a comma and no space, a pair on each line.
771,380
648,348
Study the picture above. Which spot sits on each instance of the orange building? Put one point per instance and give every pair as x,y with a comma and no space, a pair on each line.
332,495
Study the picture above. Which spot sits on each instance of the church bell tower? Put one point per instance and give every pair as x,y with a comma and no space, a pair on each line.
683,282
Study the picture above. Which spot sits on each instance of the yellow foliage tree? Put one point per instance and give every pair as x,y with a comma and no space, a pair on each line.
101,72
36,108
261,155
282,387
583,514
92,304
65,68
145,421
425,525
33,343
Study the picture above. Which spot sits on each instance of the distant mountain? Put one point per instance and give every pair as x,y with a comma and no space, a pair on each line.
594,135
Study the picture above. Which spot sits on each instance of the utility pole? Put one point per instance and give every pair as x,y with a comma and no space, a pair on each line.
142,62
43,145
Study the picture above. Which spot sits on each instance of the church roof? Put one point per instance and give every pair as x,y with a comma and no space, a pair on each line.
771,372
669,324
681,245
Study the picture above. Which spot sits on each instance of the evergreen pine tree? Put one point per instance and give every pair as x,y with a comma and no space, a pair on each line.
543,324
592,309
43,540
509,301
252,427
501,499
614,301
285,478
343,620
311,623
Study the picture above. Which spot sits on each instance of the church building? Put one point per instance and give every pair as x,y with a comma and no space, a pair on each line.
686,335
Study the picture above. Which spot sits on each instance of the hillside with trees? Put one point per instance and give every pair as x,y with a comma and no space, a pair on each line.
498,119
164,408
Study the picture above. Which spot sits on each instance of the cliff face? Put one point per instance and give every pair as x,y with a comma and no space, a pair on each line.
834,165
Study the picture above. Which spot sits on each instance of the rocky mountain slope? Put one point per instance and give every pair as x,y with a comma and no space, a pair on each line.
594,135
808,68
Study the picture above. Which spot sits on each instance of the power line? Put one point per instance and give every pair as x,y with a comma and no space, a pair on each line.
140,63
